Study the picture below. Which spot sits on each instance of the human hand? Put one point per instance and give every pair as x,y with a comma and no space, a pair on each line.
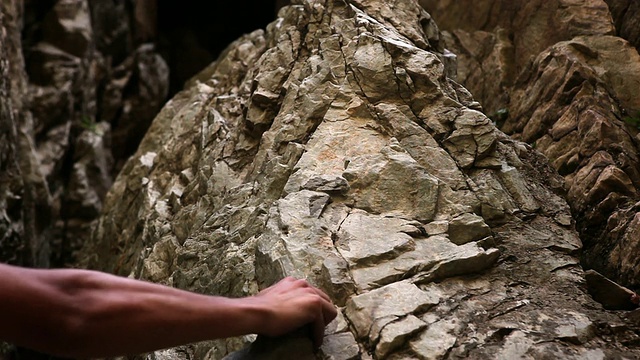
635,298
292,303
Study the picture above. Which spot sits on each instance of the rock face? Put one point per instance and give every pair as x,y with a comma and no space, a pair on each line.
93,92
626,18
21,243
82,89
497,39
25,202
88,80
333,147
573,95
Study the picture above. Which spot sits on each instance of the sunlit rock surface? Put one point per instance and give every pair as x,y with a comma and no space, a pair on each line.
333,147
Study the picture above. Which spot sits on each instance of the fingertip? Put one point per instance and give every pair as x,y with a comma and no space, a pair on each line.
330,312
332,317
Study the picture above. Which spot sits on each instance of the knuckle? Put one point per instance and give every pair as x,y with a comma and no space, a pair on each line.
303,283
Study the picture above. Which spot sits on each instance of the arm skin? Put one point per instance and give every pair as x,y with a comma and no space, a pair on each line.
81,313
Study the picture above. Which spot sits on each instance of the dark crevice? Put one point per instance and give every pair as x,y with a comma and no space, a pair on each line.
191,34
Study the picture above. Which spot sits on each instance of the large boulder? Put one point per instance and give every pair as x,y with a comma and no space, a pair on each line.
333,147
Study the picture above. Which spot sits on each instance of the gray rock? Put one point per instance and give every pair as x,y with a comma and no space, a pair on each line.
396,333
437,227
239,182
384,305
341,346
26,206
366,239
87,92
435,342
570,92
578,329
327,184
625,17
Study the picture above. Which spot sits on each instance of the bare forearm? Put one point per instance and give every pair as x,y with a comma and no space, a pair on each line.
91,314
83,313
133,317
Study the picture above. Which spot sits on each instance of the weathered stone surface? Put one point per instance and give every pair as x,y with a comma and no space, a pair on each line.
434,343
396,333
68,27
587,141
373,182
625,16
496,40
379,307
25,199
466,228
341,346
364,239
330,147
572,94
435,258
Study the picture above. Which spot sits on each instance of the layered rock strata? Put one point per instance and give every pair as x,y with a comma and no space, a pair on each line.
570,90
333,147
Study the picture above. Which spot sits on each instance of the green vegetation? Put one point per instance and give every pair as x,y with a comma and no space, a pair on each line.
499,117
633,120
89,123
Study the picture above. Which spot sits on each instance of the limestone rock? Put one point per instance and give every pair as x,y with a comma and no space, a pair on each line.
584,144
466,228
374,310
68,27
496,40
571,95
341,346
435,342
395,334
332,146
25,199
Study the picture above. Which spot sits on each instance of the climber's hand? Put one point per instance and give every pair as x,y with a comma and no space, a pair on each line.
292,303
